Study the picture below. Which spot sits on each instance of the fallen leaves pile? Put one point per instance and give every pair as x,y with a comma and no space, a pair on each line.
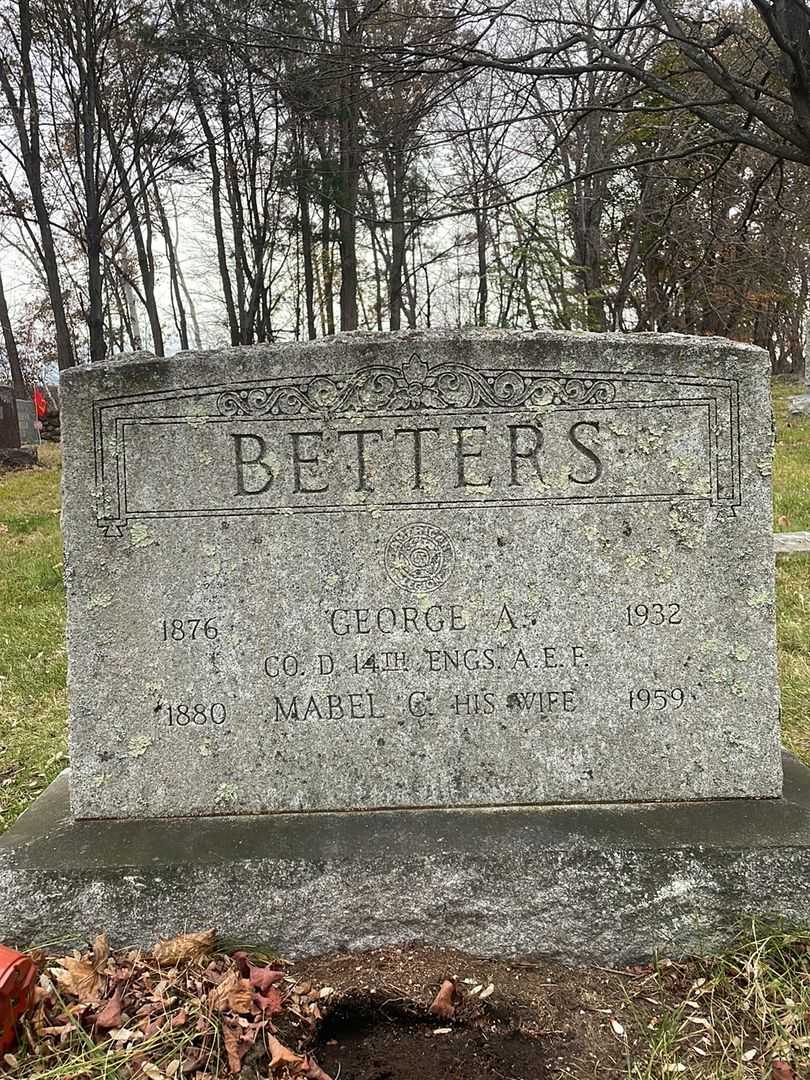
179,1010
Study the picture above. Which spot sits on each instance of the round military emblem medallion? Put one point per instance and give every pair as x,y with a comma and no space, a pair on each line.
419,558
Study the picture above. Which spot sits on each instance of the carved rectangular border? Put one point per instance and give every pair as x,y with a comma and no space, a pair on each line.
412,390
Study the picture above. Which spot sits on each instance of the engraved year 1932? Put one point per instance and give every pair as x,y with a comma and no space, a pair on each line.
654,614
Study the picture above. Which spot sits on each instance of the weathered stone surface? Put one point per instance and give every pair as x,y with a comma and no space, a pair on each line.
791,543
9,425
420,570
601,884
800,405
27,419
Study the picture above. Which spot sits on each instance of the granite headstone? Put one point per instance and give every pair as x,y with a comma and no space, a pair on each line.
422,570
27,419
9,425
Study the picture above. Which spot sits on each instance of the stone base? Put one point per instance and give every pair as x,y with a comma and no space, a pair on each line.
799,406
606,884
21,458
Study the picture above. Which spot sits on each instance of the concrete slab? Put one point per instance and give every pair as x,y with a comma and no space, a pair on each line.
606,883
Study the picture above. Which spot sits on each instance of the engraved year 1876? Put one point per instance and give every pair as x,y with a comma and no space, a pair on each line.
190,629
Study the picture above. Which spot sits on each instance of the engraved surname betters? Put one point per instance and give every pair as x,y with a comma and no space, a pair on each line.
463,456
418,434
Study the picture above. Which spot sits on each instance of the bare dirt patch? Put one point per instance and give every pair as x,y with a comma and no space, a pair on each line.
538,1020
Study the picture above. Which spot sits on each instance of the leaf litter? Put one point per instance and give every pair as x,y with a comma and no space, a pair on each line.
185,1011
178,1010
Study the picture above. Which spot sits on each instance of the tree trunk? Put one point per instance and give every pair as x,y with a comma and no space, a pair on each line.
395,175
87,60
328,269
28,135
306,242
17,380
349,164
174,278
483,269
216,194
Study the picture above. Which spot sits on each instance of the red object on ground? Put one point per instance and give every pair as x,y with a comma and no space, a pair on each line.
17,977
40,404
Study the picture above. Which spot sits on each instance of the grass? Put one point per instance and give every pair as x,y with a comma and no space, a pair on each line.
791,474
729,1016
791,499
33,701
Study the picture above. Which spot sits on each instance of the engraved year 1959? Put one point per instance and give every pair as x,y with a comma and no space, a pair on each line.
657,699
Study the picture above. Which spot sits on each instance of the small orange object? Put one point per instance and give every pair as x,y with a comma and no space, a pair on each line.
17,977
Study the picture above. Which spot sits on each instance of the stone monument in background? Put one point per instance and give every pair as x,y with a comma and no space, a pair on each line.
459,637
19,435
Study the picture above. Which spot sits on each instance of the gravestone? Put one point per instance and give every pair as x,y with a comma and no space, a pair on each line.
9,425
15,452
340,602
27,419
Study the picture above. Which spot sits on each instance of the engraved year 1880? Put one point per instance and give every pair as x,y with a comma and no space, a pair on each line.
181,714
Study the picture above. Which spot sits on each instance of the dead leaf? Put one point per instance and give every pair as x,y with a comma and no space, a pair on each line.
110,1015
282,1055
242,961
184,947
488,992
233,993
262,978
782,1071
235,1048
78,977
125,1035
152,1071
618,1029
271,1002
101,952
443,1002
179,1019
58,1029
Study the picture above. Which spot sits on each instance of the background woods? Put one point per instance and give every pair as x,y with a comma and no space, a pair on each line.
177,175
